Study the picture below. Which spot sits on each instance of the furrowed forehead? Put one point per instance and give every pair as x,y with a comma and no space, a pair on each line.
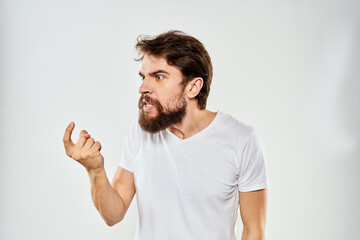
151,64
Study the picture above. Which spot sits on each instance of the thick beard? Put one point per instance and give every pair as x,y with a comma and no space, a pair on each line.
164,119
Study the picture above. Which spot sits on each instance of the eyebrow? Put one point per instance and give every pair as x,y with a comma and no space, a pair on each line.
155,72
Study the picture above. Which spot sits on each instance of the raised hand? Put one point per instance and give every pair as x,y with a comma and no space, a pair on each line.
86,151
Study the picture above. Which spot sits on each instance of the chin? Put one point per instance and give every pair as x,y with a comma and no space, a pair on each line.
150,115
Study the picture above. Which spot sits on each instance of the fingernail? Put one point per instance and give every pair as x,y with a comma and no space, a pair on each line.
71,124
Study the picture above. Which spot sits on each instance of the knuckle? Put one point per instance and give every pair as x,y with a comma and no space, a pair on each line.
85,136
95,152
68,153
84,154
76,157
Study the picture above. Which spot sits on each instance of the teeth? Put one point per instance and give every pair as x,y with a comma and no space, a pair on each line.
148,104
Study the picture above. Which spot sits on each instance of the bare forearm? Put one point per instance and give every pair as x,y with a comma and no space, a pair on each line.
106,200
252,234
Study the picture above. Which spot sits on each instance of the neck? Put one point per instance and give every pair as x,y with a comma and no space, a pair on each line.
194,121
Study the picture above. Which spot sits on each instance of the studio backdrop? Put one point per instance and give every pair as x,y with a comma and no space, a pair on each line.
290,69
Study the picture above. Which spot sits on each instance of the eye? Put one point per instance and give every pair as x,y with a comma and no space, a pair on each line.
142,77
159,77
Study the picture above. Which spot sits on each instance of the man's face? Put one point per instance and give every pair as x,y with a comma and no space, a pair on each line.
162,102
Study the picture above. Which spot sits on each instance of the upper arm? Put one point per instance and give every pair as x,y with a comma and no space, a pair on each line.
253,209
123,184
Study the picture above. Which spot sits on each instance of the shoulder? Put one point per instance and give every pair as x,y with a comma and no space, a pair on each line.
235,127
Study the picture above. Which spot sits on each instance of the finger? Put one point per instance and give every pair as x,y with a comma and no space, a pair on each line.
81,141
96,146
88,144
68,143
83,133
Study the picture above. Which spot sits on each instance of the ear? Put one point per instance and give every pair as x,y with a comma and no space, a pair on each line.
194,86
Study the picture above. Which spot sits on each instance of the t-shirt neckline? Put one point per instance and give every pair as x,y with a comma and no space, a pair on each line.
199,134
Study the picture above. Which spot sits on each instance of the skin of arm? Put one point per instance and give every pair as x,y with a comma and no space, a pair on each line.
253,207
112,201
107,201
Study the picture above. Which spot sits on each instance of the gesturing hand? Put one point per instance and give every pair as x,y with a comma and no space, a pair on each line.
86,151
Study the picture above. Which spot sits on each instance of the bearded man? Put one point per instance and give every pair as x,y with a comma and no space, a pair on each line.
191,169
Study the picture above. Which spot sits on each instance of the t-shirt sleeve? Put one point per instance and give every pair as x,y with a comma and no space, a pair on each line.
128,153
252,174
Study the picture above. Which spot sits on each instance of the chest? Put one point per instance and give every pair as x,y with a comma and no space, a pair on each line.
195,171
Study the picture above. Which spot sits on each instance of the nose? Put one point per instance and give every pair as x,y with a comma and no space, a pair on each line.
145,86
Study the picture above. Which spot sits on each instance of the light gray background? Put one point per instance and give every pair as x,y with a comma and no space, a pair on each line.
290,69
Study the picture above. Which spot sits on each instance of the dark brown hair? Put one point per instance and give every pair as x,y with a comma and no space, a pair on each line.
183,51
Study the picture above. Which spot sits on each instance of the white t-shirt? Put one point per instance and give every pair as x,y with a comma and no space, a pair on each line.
187,189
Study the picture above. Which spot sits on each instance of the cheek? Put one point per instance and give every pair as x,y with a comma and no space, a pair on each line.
175,100
170,96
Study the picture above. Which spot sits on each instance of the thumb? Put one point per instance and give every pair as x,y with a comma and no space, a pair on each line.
68,143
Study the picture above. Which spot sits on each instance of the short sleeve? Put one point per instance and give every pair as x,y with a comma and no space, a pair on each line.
128,153
252,173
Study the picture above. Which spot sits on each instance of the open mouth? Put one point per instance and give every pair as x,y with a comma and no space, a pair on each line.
147,105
